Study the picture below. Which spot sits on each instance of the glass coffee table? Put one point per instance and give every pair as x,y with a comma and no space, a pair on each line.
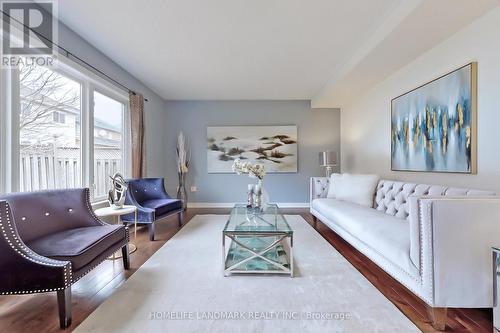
259,242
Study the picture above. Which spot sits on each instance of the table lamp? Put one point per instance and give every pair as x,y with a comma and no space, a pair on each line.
328,159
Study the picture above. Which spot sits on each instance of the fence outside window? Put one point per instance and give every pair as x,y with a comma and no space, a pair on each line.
59,168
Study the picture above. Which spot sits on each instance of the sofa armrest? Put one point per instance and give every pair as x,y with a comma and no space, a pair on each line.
456,235
318,187
23,271
414,221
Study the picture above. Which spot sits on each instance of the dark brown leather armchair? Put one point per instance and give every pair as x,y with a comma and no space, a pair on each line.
49,240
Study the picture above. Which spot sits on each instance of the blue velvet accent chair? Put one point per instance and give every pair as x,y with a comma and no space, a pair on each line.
152,201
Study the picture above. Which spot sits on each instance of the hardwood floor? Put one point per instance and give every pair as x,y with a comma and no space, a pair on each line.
458,320
38,313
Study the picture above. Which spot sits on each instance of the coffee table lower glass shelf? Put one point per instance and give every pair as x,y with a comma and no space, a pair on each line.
260,242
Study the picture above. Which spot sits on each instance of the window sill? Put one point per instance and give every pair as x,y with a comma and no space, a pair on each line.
99,204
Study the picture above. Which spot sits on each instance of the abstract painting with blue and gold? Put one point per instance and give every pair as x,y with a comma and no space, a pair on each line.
432,127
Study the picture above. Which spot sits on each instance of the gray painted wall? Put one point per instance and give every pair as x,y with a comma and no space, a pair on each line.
154,109
366,125
318,129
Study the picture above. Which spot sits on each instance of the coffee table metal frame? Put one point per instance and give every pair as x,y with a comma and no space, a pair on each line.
280,238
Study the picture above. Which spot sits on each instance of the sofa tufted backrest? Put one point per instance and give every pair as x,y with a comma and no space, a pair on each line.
391,196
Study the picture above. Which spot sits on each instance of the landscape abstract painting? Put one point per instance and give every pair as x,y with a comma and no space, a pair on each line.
273,146
433,128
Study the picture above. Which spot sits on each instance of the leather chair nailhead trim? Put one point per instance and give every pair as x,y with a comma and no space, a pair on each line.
90,210
10,235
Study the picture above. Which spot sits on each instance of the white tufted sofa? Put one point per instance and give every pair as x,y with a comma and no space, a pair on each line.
433,239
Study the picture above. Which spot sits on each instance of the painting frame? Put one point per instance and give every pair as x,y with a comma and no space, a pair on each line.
232,130
473,91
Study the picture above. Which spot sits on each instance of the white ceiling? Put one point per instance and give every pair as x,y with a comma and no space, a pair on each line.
259,49
403,37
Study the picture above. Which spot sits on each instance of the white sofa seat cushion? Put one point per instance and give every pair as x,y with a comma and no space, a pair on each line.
385,234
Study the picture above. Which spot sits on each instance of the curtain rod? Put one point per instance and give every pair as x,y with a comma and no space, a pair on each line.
72,55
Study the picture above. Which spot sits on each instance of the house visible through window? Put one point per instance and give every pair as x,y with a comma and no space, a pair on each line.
69,130
108,140
49,146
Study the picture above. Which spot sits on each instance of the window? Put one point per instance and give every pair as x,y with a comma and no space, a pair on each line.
108,140
59,117
49,148
64,128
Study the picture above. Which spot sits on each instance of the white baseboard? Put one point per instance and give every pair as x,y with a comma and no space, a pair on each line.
293,204
231,204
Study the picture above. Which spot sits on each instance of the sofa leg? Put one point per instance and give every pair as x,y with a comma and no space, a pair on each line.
126,257
180,218
315,220
437,317
151,229
64,305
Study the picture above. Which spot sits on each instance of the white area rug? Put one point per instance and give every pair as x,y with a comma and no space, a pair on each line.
181,288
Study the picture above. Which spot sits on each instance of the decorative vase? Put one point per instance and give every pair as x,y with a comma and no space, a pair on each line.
261,198
181,190
258,196
264,201
250,196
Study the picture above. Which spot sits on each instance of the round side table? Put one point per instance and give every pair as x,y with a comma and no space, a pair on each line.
117,214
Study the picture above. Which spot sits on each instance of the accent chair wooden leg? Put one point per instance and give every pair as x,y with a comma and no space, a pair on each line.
180,217
437,317
315,220
151,229
64,304
126,257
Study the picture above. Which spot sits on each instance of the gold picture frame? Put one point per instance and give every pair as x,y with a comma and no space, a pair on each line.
434,126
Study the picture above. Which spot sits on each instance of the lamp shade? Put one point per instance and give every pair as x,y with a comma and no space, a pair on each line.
328,158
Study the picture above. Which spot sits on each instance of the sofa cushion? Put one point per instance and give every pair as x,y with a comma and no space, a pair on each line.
385,234
78,245
359,189
162,206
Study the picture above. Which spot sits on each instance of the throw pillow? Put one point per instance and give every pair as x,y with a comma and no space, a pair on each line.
335,180
358,189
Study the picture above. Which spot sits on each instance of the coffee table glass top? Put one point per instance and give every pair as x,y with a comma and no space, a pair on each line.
250,220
